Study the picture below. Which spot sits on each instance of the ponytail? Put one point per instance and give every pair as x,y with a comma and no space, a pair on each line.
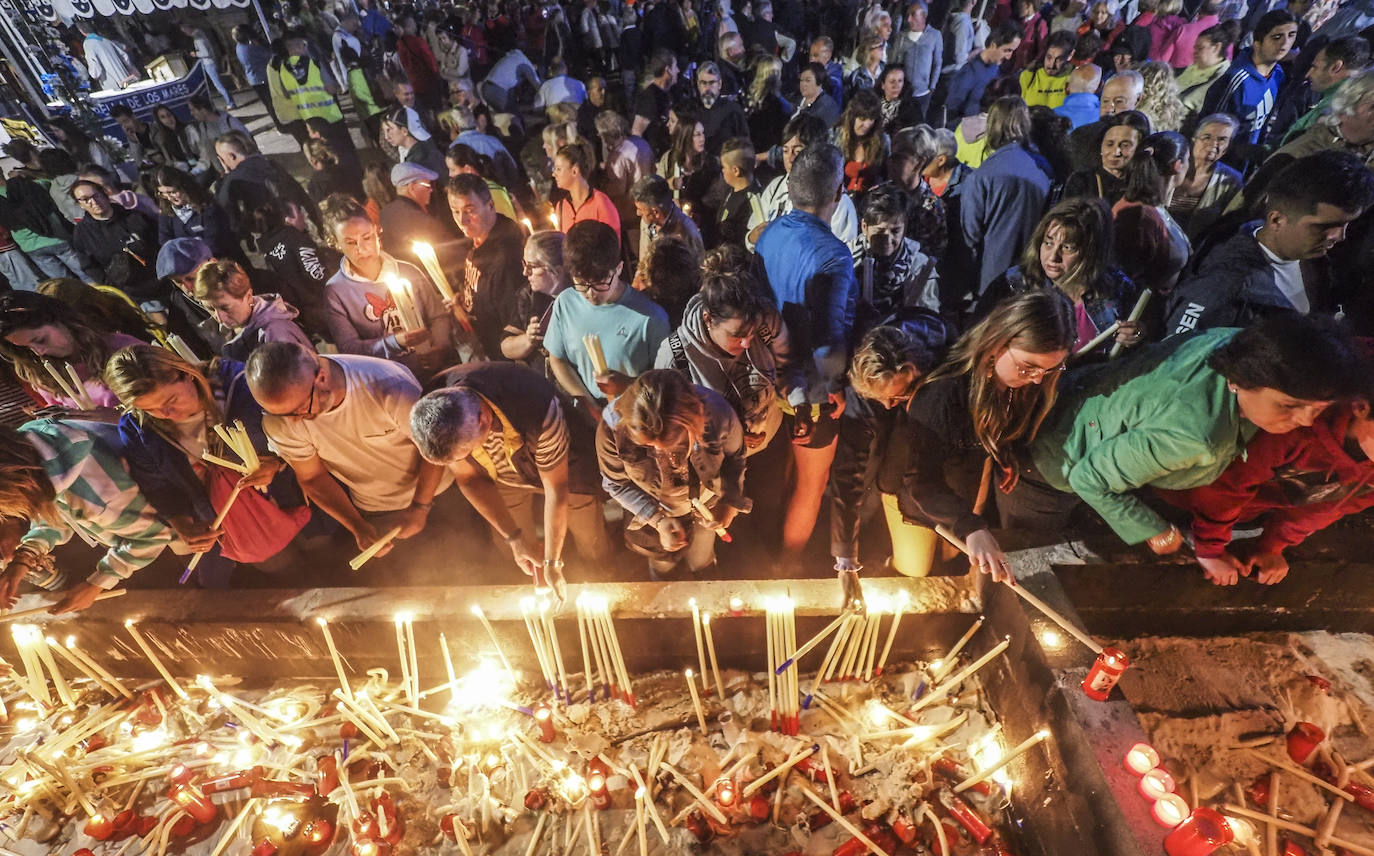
1147,174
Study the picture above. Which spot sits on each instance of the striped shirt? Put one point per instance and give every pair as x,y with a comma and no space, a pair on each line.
96,499
550,451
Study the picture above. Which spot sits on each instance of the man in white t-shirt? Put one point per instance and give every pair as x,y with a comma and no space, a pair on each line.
343,424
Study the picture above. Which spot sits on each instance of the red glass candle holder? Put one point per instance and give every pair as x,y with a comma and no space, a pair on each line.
1156,784
1141,759
1104,674
1201,834
327,774
726,795
99,827
1303,740
543,717
1170,810
600,795
190,800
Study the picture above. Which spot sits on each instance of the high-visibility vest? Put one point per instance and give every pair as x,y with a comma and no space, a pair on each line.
310,98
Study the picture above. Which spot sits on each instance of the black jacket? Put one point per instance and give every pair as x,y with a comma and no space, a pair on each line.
126,247
496,301
873,445
300,270
1233,285
254,180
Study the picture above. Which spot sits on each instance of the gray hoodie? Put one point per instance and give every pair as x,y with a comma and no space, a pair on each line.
273,320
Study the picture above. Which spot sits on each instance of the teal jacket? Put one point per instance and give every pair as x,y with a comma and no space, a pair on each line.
1159,417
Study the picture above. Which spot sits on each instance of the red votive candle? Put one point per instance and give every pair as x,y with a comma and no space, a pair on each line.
1200,835
99,827
183,826
1141,759
265,848
371,847
1155,784
327,774
193,802
601,797
725,793
1104,674
1170,810
543,717
319,831
1303,740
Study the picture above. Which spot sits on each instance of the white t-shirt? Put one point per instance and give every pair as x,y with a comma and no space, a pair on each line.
1288,280
365,442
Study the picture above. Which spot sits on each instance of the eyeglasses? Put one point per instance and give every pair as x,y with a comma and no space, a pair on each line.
1033,372
529,269
86,200
309,402
594,285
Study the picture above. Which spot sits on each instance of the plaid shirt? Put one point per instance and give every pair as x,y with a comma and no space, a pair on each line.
96,499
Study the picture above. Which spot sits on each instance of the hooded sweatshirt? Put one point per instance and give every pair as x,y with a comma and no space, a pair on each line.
364,319
748,381
1246,94
273,320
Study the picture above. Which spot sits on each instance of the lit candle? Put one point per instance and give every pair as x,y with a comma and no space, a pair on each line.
736,606
334,655
1170,810
414,663
1025,746
107,679
152,658
725,792
430,262
696,700
529,227
1104,674
99,827
1141,759
193,802
600,795
543,717
1200,834
482,617
1156,783
405,303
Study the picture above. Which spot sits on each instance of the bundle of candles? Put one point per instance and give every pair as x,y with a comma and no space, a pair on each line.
235,439
871,758
70,383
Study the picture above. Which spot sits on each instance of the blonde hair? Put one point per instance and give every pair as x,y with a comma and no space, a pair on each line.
767,79
26,492
1038,322
662,406
222,276
883,353
137,370
1159,98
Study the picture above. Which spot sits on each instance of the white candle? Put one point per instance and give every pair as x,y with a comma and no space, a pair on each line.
482,617
152,658
711,651
1170,810
701,650
1156,783
945,689
1141,759
1034,740
430,262
40,645
334,655
696,700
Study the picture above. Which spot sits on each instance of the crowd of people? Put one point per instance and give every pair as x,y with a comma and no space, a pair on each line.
905,265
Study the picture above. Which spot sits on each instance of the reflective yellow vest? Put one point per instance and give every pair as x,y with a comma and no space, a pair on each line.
310,98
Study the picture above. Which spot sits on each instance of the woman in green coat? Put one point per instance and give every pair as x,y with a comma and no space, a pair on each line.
1172,416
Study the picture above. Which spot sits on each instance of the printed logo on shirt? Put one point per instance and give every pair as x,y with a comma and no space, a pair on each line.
382,310
1191,314
310,260
278,252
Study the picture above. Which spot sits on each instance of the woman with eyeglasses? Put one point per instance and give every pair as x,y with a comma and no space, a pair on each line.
542,265
171,410
1071,252
985,401
35,329
189,211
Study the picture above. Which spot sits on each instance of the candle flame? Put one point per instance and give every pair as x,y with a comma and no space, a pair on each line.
477,610
322,620
688,673
736,604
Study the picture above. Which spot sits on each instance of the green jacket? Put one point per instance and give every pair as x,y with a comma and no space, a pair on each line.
1159,417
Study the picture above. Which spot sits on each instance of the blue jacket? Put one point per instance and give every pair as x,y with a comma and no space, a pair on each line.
966,88
1000,205
1080,108
1246,94
811,273
923,60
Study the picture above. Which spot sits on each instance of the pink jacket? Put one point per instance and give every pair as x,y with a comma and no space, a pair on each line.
1177,46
